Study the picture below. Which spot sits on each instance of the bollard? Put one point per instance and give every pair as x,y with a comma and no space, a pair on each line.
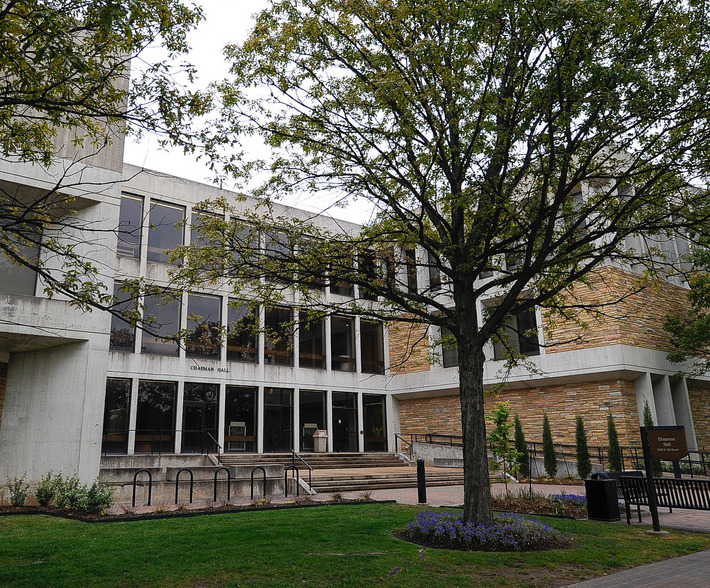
421,481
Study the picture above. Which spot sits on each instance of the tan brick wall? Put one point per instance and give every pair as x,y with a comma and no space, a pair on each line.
700,407
409,348
592,401
636,320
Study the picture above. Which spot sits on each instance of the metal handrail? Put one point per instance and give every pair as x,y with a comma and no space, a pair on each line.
219,447
403,442
150,486
298,479
293,463
229,483
177,482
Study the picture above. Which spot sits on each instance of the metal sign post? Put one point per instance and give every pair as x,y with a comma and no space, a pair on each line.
648,466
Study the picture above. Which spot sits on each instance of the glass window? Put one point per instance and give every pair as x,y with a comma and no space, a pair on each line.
278,348
345,421
342,343
278,419
116,411
130,225
240,426
155,418
244,242
312,415
241,333
434,272
20,279
374,422
449,350
372,347
520,336
161,320
199,420
369,273
204,323
411,265
165,230
311,342
122,333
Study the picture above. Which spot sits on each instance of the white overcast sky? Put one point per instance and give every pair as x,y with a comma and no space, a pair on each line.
226,21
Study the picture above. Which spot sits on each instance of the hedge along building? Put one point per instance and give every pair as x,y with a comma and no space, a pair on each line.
78,385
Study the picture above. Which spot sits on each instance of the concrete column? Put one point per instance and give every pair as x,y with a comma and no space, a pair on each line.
221,410
683,412
360,423
644,393
329,418
260,414
392,423
358,351
178,416
132,417
296,420
664,401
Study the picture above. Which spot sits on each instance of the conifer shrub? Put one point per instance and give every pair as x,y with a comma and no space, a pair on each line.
584,462
615,460
548,448
521,447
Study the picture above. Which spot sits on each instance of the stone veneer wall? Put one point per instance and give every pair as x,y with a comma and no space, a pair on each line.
409,348
592,401
637,320
700,407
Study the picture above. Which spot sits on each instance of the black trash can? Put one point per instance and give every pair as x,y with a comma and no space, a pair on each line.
602,501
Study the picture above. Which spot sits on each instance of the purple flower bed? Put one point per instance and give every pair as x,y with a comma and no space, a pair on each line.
577,499
509,532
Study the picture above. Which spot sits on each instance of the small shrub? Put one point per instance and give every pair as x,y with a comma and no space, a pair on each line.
365,496
548,448
506,456
509,532
521,447
337,497
259,502
160,509
46,489
615,461
70,493
584,462
560,502
529,494
18,489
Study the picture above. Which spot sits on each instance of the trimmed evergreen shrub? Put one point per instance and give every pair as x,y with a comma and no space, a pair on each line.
615,461
584,463
521,447
548,448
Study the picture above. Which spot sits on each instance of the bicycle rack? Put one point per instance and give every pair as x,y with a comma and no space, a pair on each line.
177,483
229,483
263,471
150,486
298,479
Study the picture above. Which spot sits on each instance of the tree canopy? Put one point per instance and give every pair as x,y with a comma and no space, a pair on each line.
514,147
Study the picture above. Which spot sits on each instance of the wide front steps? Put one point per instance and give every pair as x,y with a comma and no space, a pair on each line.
382,480
318,461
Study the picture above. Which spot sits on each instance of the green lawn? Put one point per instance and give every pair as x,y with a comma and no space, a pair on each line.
349,545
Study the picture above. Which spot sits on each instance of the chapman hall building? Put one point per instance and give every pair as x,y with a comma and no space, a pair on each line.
79,388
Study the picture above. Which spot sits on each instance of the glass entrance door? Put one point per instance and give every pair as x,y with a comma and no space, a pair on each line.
375,422
278,420
344,421
199,418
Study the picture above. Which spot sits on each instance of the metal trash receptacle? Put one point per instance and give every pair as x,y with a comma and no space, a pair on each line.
602,501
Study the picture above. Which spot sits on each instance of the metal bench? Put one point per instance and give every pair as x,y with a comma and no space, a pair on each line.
670,493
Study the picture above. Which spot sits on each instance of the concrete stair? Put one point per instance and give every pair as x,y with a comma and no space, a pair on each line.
382,480
318,461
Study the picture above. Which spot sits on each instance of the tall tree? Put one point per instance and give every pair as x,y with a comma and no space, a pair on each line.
548,448
616,462
514,146
521,447
584,463
65,94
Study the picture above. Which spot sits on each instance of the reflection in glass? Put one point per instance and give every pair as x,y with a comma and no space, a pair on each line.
278,419
342,343
372,347
240,419
199,420
155,418
161,319
311,342
122,333
278,349
165,230
116,410
241,334
203,322
312,416
345,421
374,422
129,226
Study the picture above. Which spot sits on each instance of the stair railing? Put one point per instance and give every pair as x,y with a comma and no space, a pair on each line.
295,455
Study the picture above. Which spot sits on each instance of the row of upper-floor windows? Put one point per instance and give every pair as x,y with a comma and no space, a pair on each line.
289,335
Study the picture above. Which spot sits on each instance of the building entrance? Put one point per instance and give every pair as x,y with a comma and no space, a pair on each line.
278,420
199,418
344,421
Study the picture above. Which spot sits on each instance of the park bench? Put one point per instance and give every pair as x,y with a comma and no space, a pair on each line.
670,493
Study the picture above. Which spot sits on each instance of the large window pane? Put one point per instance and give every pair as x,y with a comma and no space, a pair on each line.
369,272
161,319
155,419
375,422
345,421
240,419
519,337
15,278
411,266
129,227
199,418
278,419
165,230
342,343
277,340
116,410
122,333
311,342
372,347
203,322
449,349
241,334
312,416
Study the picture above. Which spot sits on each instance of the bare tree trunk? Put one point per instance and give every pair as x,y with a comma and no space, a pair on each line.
477,489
